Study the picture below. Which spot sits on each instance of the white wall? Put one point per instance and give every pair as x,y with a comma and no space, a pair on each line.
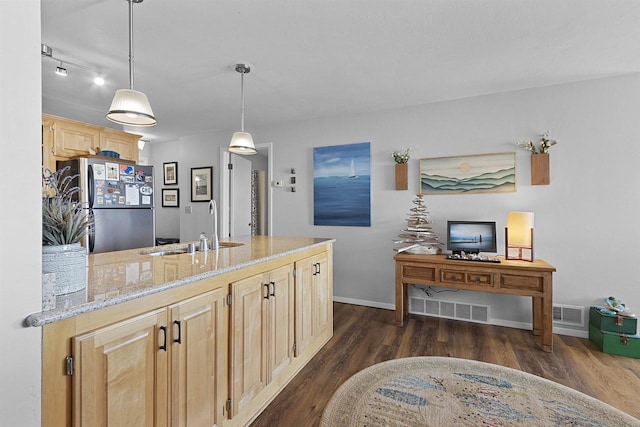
20,218
585,221
189,152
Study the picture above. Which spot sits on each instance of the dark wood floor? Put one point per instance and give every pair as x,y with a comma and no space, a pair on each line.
364,336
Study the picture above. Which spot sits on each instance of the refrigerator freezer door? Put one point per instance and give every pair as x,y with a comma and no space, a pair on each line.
114,185
120,229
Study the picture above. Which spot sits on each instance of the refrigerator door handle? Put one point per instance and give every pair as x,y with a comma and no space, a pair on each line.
90,185
92,232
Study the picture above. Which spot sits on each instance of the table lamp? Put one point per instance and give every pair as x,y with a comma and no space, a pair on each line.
518,236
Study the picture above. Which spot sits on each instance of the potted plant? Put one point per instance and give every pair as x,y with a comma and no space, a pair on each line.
539,158
65,223
402,168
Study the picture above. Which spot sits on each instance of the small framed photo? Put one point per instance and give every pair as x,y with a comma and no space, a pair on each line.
201,184
170,198
170,173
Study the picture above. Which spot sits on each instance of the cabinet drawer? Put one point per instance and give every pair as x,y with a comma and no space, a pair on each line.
479,279
419,273
454,276
451,276
512,281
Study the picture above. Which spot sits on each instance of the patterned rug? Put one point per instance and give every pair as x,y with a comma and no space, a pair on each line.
444,391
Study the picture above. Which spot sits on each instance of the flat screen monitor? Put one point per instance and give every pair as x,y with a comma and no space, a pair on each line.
471,237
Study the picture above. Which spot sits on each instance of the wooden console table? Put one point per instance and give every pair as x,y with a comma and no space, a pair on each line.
531,279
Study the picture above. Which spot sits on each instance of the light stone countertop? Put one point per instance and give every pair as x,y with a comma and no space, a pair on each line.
117,277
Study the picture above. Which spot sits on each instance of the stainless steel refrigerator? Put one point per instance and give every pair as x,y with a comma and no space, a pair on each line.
119,195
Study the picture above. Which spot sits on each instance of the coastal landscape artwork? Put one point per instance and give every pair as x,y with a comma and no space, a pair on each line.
482,173
342,185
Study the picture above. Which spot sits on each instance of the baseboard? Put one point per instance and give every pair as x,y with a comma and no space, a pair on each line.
497,322
365,303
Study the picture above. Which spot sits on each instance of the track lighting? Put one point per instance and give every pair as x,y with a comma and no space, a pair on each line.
61,71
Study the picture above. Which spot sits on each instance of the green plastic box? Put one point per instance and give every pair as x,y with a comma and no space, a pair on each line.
611,323
615,343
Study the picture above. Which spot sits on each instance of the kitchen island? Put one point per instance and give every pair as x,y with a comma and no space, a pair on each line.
186,339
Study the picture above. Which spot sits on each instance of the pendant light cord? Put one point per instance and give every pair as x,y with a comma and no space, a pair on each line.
130,44
242,101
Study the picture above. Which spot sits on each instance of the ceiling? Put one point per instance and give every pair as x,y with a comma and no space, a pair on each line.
321,58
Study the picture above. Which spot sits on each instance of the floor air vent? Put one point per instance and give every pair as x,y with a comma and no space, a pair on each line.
449,309
568,315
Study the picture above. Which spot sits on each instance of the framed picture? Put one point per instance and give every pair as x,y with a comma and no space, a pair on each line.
201,184
170,173
342,185
480,173
170,198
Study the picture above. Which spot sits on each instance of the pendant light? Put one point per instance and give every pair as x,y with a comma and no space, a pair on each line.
242,142
130,107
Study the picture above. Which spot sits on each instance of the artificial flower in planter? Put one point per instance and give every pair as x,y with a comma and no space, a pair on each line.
65,223
402,169
540,172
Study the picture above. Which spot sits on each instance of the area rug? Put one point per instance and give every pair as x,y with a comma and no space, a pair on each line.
445,391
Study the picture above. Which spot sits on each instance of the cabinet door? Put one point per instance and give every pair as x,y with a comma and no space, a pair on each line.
304,304
199,360
280,320
323,315
248,344
124,144
48,160
73,139
314,301
121,374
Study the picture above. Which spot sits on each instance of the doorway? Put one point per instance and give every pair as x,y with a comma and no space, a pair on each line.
243,210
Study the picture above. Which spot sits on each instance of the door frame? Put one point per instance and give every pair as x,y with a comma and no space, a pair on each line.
225,183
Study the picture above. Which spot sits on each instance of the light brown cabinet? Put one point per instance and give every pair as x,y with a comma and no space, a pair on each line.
148,371
120,374
314,296
63,139
230,348
262,326
198,368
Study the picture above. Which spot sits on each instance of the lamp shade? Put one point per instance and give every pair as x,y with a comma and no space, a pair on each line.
130,107
519,225
242,143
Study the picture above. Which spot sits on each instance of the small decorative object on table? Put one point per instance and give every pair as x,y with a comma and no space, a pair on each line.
65,223
539,158
418,237
402,169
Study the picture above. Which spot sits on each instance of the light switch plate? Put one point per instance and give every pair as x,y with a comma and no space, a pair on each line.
187,209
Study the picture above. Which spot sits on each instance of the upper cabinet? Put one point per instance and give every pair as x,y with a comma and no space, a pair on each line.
63,139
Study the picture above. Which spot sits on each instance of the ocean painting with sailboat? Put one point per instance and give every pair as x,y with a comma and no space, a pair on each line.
342,185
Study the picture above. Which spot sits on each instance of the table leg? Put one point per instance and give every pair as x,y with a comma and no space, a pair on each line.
547,323
401,296
536,310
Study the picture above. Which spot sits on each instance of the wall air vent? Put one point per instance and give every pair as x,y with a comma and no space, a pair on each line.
449,309
568,315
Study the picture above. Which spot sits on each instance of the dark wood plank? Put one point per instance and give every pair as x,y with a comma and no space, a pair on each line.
364,336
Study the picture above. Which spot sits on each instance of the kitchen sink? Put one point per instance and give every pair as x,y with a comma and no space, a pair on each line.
164,253
184,249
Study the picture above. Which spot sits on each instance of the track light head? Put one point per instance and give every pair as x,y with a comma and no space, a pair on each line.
61,71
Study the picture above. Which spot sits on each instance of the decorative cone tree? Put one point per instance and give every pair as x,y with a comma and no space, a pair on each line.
418,237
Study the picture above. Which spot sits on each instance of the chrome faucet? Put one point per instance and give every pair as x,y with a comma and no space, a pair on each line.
213,210
204,244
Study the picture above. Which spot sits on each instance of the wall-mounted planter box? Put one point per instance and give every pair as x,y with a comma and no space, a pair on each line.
402,175
540,169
